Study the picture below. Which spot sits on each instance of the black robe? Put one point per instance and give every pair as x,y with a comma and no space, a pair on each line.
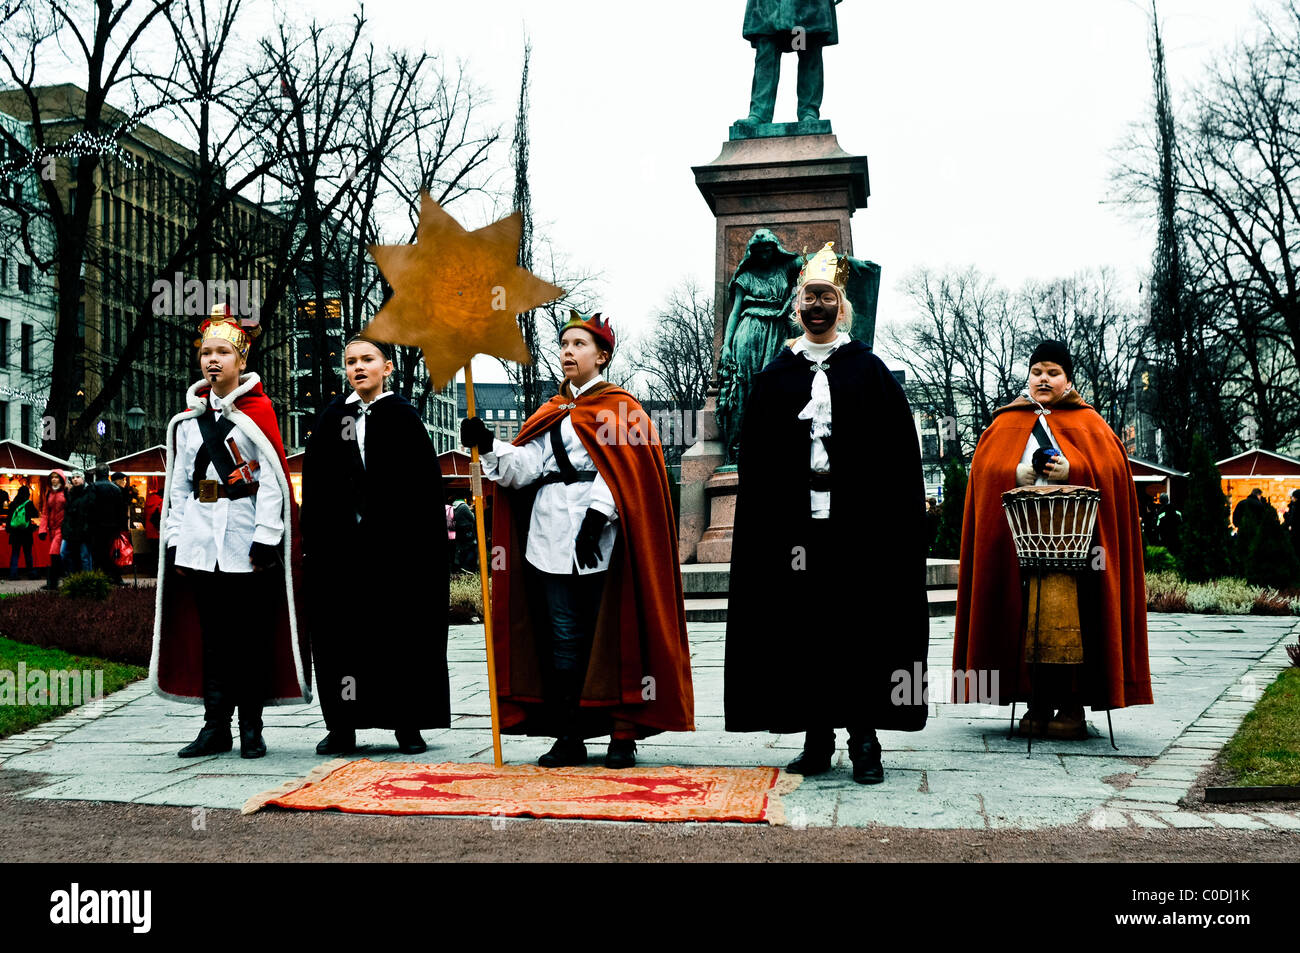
378,622
833,636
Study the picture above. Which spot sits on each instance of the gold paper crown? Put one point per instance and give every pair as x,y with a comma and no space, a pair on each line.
826,266
221,324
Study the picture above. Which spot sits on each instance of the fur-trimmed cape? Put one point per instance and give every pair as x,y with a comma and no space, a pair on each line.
176,667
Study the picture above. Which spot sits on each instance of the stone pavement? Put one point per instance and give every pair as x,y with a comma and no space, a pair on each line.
962,771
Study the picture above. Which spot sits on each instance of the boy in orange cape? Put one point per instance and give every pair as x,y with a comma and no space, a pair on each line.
590,629
1112,592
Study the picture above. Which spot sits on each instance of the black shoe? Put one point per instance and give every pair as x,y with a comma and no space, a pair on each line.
811,762
866,763
213,739
410,742
251,744
621,753
338,742
565,753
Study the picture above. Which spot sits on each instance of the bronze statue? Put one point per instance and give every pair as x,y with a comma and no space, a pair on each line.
774,27
760,295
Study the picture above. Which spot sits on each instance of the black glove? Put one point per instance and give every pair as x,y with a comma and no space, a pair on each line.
169,560
475,433
587,546
264,556
1041,456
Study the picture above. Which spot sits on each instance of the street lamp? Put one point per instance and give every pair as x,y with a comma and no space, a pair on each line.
135,419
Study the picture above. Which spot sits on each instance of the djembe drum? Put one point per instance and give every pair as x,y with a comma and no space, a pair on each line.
1052,528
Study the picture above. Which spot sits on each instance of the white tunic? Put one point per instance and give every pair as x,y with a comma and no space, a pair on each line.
818,410
558,510
218,535
355,398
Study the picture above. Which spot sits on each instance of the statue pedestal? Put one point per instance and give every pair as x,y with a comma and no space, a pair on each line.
803,187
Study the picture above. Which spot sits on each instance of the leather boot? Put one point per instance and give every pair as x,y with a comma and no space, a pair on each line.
215,737
818,750
212,739
409,741
864,752
568,750
251,744
338,742
621,753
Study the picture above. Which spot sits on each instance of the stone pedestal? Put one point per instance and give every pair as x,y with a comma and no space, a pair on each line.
796,180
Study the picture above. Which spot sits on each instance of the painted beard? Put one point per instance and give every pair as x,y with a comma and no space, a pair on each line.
818,318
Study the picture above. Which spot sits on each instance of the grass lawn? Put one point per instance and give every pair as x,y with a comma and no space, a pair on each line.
1266,748
14,717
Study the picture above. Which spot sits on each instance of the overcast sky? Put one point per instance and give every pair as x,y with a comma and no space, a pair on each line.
989,126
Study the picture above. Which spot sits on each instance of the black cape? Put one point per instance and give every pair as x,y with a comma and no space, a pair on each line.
828,638
378,622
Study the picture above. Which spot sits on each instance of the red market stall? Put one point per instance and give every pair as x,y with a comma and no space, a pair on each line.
1152,479
1275,474
295,473
21,465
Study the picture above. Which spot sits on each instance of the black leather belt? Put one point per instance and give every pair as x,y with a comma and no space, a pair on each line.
819,480
579,476
209,491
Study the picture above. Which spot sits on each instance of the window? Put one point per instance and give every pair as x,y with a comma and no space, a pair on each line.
4,420
4,342
25,279
25,354
25,416
4,272
489,415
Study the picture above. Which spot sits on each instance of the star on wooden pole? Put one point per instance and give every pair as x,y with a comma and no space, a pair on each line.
456,293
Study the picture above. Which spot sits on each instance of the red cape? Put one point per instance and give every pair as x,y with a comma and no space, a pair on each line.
176,669
989,609
640,647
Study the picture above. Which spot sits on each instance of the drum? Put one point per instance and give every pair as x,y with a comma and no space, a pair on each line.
1052,527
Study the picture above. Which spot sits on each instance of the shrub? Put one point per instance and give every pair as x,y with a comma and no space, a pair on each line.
1159,560
466,601
1166,592
119,629
87,585
947,538
1205,537
1271,602
1270,558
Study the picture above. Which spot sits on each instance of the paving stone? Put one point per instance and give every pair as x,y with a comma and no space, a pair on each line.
1289,822
1142,819
104,787
1240,822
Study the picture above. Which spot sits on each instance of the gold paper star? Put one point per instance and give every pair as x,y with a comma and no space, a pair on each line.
456,293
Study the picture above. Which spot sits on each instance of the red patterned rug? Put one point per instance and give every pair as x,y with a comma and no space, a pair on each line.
632,794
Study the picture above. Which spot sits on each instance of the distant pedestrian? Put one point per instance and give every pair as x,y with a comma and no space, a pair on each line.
21,519
52,525
75,547
107,522
1169,526
1291,521
153,527
932,512
466,537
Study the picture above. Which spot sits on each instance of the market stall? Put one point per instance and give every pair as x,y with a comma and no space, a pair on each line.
21,465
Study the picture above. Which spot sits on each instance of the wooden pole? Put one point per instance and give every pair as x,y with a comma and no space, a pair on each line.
476,486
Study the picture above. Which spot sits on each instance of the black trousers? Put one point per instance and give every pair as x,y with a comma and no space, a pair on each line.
236,619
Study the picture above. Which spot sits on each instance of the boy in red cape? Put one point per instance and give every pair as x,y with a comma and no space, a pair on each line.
590,628
226,622
1112,593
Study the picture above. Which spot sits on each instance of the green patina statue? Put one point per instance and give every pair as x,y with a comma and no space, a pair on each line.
761,297
774,27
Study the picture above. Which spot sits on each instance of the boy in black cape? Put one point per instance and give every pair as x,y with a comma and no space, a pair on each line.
375,551
828,624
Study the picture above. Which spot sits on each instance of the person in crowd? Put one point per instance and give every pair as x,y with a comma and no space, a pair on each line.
107,523
52,526
21,519
75,547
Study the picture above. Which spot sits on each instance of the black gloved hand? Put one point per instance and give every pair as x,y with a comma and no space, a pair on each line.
264,556
169,559
587,546
475,433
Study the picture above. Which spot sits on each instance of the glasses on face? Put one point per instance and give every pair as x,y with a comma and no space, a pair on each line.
829,298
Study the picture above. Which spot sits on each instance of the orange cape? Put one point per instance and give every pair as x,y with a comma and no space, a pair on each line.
640,669
1112,599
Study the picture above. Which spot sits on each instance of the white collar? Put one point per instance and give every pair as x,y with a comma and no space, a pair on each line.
579,391
354,398
803,345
